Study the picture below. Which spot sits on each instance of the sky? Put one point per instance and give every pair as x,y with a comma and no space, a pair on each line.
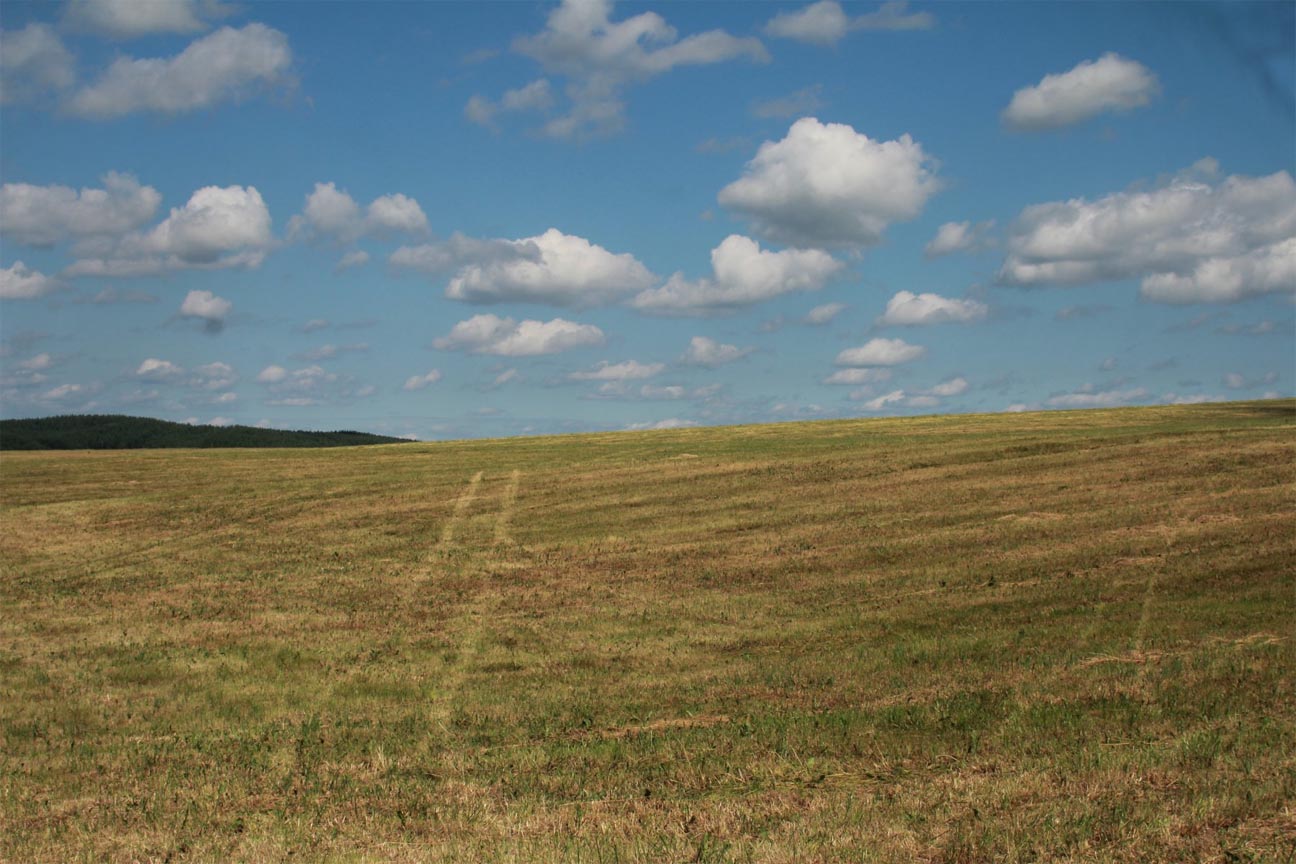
448,220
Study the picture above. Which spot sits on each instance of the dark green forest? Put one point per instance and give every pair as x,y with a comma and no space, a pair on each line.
119,432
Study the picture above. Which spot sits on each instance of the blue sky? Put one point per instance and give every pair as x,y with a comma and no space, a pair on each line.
447,220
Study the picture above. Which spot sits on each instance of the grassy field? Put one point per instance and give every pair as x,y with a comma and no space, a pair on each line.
1064,636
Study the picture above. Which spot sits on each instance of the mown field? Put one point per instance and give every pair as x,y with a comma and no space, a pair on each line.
1064,636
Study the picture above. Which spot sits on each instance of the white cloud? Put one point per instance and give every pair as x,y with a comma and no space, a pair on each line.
1110,83
215,376
205,305
536,96
332,213
668,423
460,251
1235,381
553,268
949,387
20,282
824,314
857,377
127,19
310,385
45,215
505,337
599,57
826,185
743,274
824,23
63,391
630,370
1268,270
880,402
329,351
1090,397
351,260
220,421
909,309
33,61
703,351
314,325
397,214
218,227
419,382
1193,239
880,352
226,65
156,369
960,237
38,363
504,377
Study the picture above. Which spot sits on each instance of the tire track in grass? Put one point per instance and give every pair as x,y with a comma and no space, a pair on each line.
462,503
505,517
477,561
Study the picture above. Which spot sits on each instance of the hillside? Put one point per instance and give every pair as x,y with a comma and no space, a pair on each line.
1063,636
120,432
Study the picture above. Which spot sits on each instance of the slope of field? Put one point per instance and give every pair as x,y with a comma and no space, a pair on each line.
120,432
1051,637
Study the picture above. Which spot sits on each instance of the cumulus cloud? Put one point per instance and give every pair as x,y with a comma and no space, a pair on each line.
536,96
127,19
1194,239
825,23
206,306
824,314
309,385
351,260
226,65
554,268
881,352
329,351
46,215
272,374
33,62
505,337
909,309
331,213
668,423
859,377
930,398
38,363
459,251
630,370
703,351
419,382
1089,396
1110,83
599,57
218,227
743,274
20,282
155,369
826,186
960,237
1268,270
215,376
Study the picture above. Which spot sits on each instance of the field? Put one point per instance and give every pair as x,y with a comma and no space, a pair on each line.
1064,636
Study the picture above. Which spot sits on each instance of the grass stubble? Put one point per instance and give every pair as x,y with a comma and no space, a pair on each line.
1053,637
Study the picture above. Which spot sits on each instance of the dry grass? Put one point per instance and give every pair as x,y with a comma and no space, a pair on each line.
1052,637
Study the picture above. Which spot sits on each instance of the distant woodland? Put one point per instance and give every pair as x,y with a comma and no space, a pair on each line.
119,432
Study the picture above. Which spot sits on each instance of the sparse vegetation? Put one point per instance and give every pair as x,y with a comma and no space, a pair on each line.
1051,637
